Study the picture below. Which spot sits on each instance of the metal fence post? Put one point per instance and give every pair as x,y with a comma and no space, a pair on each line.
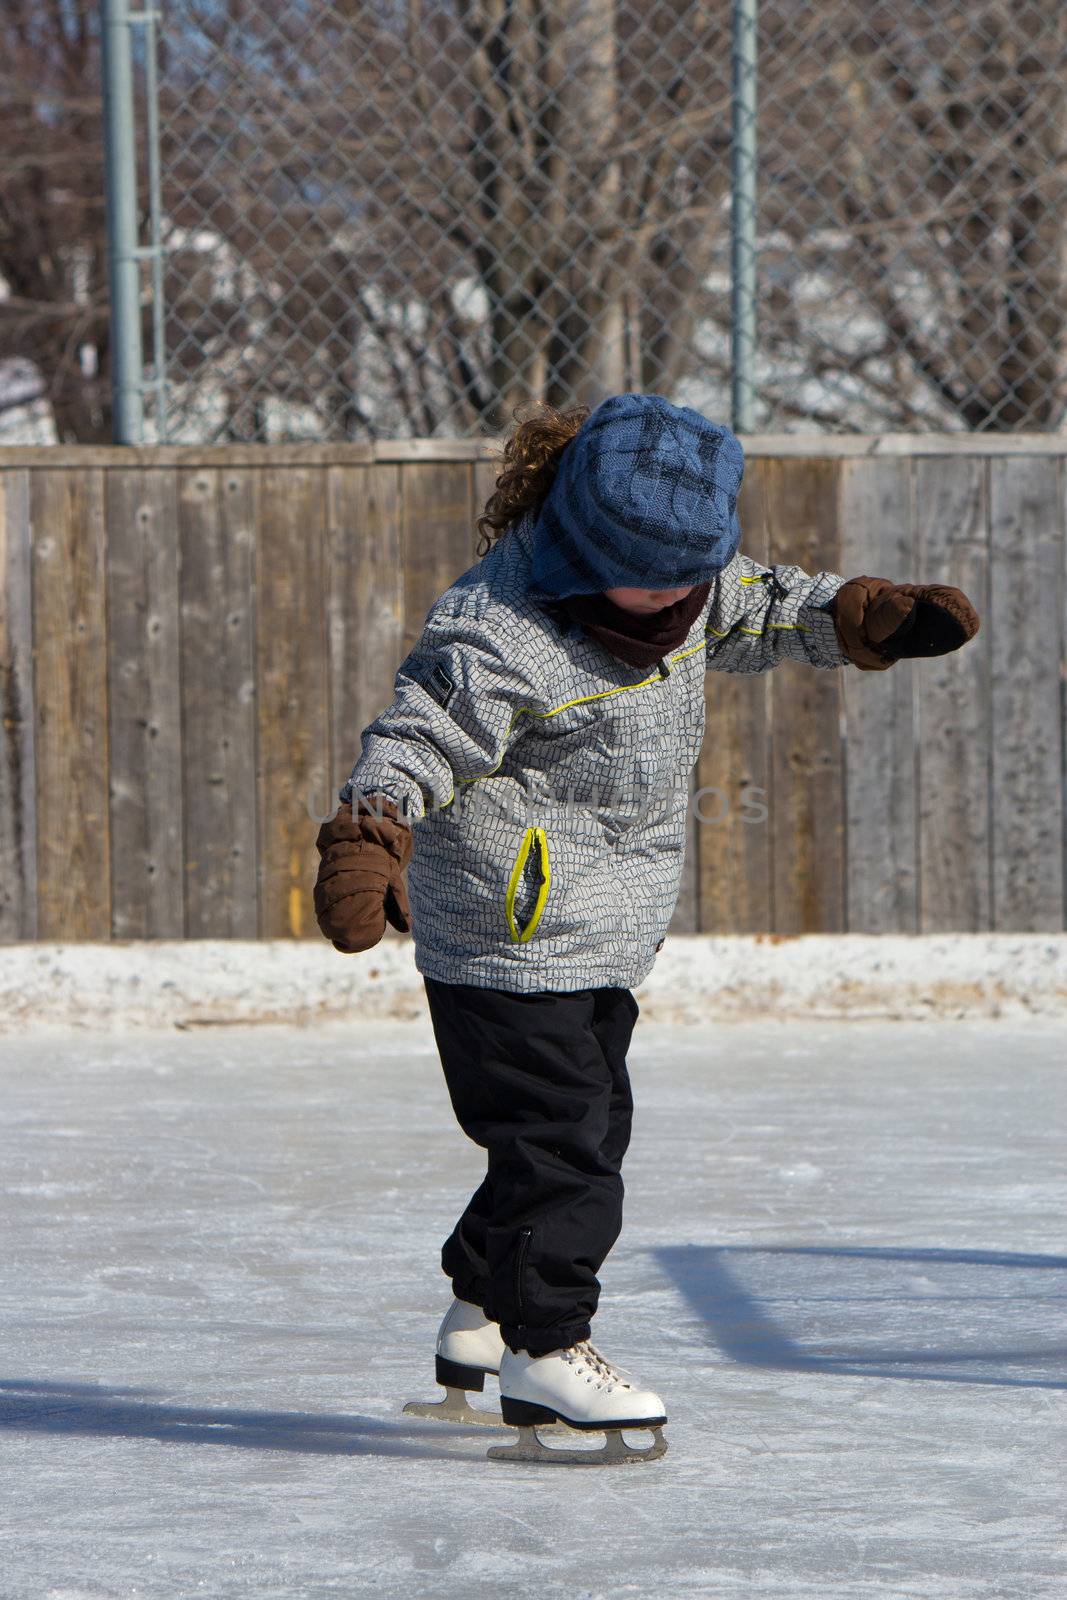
743,158
124,272
154,252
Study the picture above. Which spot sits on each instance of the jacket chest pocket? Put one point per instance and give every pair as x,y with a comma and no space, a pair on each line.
617,751
528,886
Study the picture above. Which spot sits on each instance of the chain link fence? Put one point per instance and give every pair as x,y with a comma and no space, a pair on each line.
405,217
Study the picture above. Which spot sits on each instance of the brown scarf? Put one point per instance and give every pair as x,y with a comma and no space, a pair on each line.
639,641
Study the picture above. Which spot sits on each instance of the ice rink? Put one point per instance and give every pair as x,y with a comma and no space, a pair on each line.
843,1266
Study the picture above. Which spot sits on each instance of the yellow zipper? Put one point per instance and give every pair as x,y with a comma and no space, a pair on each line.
531,836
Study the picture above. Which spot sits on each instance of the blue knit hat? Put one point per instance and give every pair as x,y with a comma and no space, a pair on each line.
645,498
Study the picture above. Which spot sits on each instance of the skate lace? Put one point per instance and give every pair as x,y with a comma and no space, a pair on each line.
603,1372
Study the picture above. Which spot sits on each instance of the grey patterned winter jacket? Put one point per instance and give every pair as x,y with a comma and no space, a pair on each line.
547,781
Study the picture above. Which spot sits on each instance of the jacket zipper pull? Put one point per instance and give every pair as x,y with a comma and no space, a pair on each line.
664,669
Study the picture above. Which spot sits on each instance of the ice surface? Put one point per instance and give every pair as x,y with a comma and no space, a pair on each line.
842,1266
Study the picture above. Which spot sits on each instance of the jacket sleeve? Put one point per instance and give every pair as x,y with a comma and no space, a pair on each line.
457,708
760,616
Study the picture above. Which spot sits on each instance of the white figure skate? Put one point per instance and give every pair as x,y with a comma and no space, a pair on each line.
468,1347
582,1389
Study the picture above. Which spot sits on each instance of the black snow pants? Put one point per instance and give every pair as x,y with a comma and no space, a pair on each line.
540,1082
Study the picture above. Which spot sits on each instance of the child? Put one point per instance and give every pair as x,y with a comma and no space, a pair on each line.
533,767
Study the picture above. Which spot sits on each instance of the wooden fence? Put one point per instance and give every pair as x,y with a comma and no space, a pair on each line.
191,641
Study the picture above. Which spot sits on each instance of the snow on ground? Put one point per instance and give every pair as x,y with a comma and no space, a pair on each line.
842,1266
697,978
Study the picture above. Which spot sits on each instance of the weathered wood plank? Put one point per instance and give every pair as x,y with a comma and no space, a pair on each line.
485,476
780,446
292,695
881,771
70,706
365,607
437,520
807,778
732,831
1026,535
144,706
955,738
843,446
407,450
218,513
18,814
365,610
265,457
438,538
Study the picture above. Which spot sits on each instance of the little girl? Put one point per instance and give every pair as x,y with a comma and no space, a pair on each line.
533,768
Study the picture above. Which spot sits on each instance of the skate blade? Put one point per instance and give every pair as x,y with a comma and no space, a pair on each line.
614,1452
453,1408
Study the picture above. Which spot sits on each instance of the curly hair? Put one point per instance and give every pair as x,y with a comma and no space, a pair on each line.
531,457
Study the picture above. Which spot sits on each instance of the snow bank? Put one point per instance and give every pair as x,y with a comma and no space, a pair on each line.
696,978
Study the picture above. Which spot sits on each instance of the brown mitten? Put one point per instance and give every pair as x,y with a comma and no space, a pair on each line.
359,883
878,622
